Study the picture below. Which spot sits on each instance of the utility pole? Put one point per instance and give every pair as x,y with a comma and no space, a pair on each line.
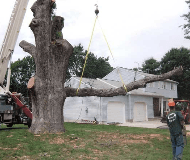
136,71
138,65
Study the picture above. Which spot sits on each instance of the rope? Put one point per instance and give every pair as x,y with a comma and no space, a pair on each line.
113,58
86,55
79,115
97,11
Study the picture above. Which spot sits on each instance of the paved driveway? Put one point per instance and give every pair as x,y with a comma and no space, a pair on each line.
149,124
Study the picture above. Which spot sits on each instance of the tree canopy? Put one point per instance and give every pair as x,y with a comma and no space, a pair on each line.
178,57
96,67
151,66
21,72
186,26
172,59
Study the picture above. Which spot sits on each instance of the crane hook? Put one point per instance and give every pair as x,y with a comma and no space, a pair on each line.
96,11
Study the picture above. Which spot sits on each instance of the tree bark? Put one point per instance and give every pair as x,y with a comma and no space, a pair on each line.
51,55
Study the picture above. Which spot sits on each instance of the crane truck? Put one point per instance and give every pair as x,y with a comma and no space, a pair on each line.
13,106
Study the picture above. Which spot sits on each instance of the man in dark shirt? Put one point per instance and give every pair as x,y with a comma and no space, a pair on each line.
174,121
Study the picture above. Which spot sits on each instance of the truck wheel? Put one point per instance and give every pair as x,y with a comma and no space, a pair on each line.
29,123
9,125
187,119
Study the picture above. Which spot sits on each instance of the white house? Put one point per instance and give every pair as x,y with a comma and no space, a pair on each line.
137,105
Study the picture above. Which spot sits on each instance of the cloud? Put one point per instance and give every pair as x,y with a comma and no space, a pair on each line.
135,30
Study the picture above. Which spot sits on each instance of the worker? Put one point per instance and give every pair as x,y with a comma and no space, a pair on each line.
175,122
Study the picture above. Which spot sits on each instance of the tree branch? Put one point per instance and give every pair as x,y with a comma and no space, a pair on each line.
67,48
28,47
71,92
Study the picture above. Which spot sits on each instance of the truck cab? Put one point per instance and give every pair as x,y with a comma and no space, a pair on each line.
11,113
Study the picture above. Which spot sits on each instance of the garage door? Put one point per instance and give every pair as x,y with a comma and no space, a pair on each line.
139,111
116,112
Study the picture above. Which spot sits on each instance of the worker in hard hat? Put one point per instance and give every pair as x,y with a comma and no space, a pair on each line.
174,122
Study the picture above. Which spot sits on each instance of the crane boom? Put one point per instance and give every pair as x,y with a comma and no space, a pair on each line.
11,35
13,111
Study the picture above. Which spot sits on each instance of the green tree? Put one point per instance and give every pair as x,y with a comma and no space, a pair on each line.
135,69
76,61
151,66
186,26
21,72
178,57
95,67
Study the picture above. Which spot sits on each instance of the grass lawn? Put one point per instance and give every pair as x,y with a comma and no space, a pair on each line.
87,141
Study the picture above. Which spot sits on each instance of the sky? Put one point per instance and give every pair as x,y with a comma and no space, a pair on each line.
135,30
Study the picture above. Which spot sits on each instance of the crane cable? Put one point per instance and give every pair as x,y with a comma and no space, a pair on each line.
97,11
87,54
113,58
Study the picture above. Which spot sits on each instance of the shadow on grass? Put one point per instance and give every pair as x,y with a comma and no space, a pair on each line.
9,129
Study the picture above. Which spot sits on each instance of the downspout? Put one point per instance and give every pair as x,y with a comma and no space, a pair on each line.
100,111
162,107
130,107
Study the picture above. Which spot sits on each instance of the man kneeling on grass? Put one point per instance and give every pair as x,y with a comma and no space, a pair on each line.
174,122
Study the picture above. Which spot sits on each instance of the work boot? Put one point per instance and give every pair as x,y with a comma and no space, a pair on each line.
173,158
179,157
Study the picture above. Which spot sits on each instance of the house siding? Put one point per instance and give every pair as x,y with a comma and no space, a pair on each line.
167,92
78,108
75,107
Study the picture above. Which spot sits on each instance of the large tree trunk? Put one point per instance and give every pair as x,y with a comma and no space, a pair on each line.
51,55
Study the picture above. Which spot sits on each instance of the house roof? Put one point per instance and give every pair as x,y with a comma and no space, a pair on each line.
128,75
96,83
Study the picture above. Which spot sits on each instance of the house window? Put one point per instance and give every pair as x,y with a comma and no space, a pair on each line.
163,85
172,86
150,85
159,84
